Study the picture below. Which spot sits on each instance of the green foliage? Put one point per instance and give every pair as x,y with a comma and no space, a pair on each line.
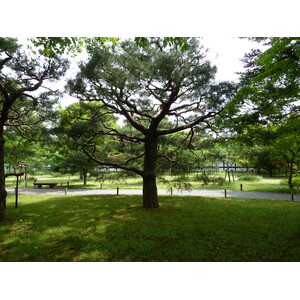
203,177
155,89
181,42
31,178
9,45
178,182
76,126
296,182
273,87
51,46
266,107
26,101
73,45
23,74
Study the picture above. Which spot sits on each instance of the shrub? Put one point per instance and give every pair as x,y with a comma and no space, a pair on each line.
248,177
217,180
32,179
296,182
180,183
203,178
206,180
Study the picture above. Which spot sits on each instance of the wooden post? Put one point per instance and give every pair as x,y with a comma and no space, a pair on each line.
66,191
241,187
225,193
17,191
292,197
117,191
171,189
25,176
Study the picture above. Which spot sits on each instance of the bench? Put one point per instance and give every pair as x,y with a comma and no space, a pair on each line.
40,184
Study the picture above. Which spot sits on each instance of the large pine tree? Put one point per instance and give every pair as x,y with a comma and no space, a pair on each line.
148,86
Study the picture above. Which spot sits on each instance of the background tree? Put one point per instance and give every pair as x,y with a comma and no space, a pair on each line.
77,162
77,123
263,108
271,80
22,74
287,146
147,86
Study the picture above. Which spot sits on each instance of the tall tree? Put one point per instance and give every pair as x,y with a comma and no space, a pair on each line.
148,86
22,75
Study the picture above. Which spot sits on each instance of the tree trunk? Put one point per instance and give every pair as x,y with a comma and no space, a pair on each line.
271,171
84,173
290,178
290,164
3,192
150,199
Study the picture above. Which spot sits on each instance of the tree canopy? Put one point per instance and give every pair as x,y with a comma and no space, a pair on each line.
73,45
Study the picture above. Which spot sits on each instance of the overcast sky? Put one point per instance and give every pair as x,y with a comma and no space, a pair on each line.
226,54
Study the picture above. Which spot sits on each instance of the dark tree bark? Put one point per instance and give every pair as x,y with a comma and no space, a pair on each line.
290,165
84,174
3,192
150,198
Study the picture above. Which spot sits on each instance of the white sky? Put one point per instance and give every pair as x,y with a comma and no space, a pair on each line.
226,52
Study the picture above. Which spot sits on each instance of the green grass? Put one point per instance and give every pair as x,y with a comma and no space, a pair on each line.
115,228
266,184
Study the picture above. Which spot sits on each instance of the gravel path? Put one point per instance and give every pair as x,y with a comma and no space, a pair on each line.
206,193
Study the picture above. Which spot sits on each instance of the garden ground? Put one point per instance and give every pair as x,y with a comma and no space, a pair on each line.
115,228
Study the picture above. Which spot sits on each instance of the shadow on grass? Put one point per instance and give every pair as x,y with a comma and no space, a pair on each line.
111,228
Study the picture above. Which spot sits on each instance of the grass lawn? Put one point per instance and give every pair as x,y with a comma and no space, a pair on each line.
266,184
115,228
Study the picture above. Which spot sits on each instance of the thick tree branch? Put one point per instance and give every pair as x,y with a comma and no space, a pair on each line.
14,174
188,125
4,92
112,164
168,159
5,60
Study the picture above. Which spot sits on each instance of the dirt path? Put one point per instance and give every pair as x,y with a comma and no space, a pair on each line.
206,193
